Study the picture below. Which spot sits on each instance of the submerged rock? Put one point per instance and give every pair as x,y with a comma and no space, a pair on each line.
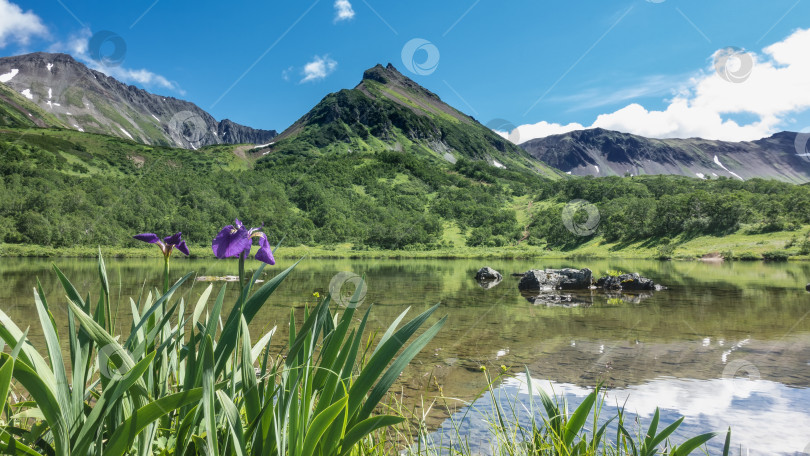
487,273
627,282
488,278
555,279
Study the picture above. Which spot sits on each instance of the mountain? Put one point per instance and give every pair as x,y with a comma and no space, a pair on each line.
598,152
71,95
388,111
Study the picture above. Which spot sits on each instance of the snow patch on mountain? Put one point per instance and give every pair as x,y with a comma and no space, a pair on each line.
7,76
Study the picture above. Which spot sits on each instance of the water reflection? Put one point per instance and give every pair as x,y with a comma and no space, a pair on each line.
767,418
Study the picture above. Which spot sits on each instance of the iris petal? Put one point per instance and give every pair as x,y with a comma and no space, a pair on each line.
173,239
265,253
147,237
231,242
183,248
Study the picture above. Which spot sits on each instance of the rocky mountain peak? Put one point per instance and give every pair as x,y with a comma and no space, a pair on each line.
88,100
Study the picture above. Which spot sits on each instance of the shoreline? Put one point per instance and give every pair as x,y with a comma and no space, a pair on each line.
737,246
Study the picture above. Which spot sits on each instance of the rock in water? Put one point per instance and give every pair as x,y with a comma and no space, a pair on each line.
627,282
556,279
487,274
488,278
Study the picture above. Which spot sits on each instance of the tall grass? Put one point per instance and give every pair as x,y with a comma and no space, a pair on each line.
186,381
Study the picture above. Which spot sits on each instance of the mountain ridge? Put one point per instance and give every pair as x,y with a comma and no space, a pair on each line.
88,100
389,111
600,152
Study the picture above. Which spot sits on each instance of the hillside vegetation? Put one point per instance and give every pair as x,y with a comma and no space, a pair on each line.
63,188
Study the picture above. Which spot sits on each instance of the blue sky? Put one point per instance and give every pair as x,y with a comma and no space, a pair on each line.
565,63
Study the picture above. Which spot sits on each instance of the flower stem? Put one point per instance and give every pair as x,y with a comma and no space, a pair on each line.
166,275
242,270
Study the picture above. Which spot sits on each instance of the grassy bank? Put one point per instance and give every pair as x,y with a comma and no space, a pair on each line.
738,246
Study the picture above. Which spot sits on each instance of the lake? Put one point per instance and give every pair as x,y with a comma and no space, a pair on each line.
727,344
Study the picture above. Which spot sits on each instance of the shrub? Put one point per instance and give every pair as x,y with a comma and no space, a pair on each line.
776,255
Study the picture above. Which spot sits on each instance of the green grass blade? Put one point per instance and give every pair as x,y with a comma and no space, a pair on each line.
209,408
55,354
125,434
579,417
692,444
111,395
200,307
47,403
13,335
366,427
9,445
155,307
375,366
227,341
663,435
320,424
648,447
393,372
102,338
234,423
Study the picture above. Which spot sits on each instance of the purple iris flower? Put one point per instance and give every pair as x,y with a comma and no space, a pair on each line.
235,240
167,245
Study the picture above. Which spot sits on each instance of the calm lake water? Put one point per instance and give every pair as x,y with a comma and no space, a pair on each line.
727,344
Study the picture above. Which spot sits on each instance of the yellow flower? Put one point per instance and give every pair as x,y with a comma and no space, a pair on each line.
503,368
316,294
482,368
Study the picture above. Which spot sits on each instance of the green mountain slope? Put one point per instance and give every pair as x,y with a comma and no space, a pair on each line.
63,188
389,112
17,111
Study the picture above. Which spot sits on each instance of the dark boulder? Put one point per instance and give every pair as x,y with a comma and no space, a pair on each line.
555,279
807,287
488,278
487,274
627,282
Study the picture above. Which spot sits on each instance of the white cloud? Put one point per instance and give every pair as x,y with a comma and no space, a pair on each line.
18,26
778,87
542,129
319,68
343,10
78,47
